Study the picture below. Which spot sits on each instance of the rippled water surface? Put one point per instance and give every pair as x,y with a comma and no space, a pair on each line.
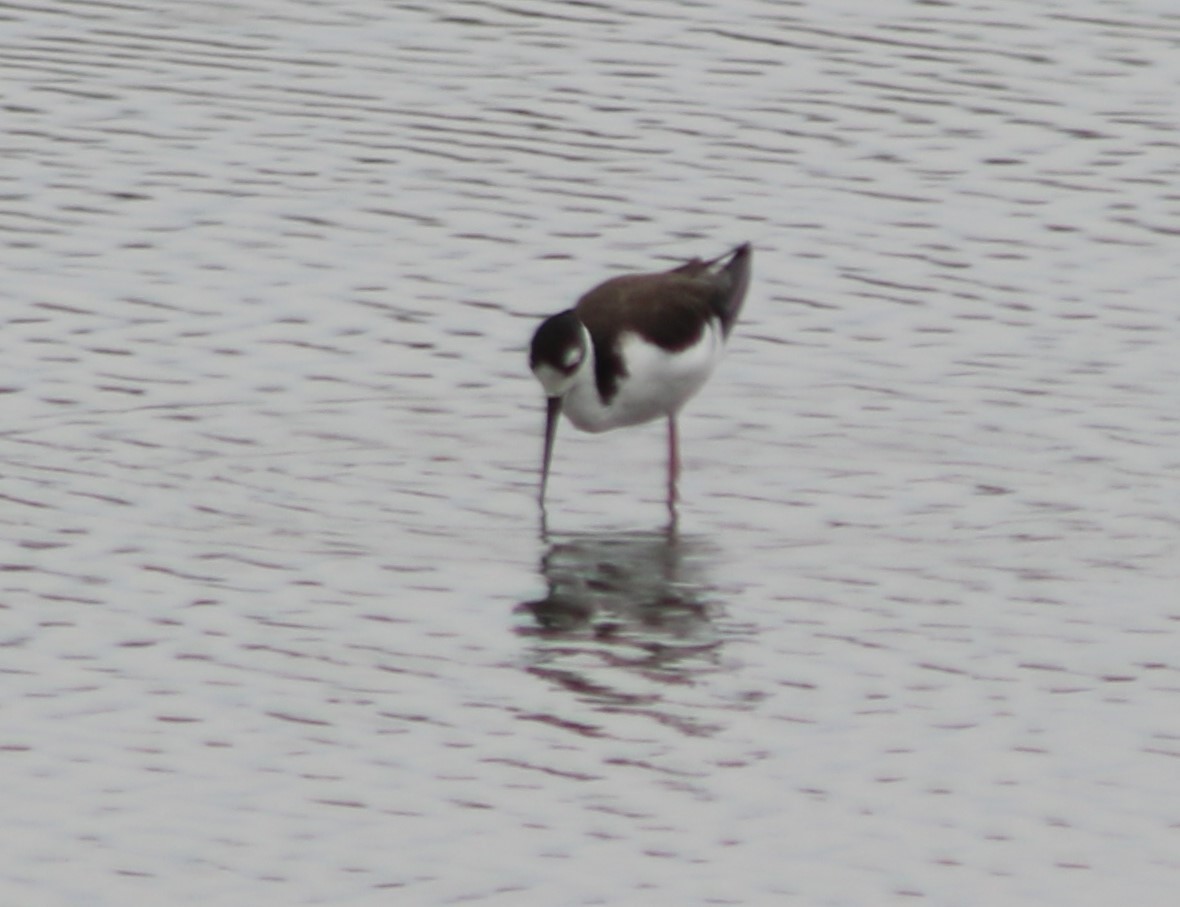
278,622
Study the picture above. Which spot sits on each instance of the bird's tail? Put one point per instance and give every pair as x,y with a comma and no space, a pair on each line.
734,277
730,274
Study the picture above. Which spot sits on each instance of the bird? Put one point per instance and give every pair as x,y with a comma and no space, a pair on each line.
636,348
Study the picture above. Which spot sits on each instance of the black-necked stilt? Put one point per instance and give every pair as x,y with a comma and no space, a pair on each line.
637,347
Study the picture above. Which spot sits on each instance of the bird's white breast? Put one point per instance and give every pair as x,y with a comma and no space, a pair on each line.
657,382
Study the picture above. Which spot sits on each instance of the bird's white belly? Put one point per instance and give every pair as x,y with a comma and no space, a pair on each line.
657,383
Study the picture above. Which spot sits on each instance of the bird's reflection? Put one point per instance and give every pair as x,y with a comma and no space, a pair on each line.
624,614
622,582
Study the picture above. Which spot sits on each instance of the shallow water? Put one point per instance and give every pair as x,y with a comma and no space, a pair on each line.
280,623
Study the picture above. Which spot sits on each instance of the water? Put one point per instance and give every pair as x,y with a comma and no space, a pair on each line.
279,623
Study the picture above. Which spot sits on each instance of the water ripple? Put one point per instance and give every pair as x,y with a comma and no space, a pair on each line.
276,602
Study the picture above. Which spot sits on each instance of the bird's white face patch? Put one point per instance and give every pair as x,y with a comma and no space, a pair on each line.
554,381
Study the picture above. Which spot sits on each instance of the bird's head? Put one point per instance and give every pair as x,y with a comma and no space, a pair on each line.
557,352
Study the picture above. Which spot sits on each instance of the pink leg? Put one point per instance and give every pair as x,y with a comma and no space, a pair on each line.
673,461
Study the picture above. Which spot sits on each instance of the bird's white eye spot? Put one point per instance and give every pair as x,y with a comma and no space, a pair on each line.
571,357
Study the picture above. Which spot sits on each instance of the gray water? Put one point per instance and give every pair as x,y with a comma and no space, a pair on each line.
278,621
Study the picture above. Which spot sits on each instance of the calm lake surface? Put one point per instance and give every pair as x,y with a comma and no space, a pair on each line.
278,620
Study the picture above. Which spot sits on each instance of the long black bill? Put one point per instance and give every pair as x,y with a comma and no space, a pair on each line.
552,414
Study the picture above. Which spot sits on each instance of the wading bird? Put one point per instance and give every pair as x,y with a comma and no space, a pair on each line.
636,348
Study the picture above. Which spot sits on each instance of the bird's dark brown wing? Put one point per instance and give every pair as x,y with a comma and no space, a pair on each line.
667,309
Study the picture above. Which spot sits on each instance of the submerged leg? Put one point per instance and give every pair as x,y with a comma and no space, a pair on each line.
673,461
